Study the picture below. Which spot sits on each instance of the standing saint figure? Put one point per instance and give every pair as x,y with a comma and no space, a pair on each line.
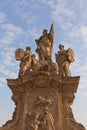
63,59
48,120
45,44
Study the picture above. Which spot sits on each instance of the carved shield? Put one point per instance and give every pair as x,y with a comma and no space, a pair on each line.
19,54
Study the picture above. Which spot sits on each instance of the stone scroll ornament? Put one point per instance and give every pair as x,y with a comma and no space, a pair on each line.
64,58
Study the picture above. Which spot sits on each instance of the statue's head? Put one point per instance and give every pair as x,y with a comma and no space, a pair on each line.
19,54
45,31
28,48
61,47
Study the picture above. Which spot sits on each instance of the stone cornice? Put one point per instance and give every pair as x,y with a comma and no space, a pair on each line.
44,79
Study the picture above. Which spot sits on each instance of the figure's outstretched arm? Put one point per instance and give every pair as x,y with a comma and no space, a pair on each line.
52,32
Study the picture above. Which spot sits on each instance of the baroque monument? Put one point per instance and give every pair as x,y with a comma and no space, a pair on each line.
44,91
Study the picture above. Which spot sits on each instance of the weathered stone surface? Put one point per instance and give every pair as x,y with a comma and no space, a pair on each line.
44,90
64,58
43,102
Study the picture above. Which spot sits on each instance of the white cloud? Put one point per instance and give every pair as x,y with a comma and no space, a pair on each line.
80,33
2,75
3,70
49,2
2,84
2,17
23,3
6,71
82,3
13,28
2,79
83,68
11,33
75,32
62,14
8,56
82,71
8,60
8,66
83,30
82,94
27,16
34,32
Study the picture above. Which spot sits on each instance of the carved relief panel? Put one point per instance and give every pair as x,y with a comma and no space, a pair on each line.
40,110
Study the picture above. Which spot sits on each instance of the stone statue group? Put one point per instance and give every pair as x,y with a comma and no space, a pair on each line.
29,62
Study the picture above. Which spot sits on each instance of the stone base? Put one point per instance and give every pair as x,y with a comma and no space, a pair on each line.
43,102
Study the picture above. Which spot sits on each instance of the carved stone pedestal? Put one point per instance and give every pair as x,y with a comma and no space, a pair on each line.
43,102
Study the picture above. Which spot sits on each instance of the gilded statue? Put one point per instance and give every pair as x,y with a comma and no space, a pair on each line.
63,59
45,44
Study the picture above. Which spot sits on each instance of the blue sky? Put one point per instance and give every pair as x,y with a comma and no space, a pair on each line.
21,22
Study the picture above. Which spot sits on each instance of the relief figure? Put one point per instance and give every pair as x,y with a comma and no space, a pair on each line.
35,124
48,120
